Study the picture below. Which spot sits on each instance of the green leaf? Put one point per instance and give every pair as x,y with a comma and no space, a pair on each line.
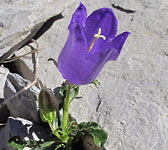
93,129
44,145
54,123
59,146
100,137
88,126
19,146
61,118
16,142
47,144
61,135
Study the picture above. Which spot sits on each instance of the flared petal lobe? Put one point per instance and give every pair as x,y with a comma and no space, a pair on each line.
110,51
117,44
79,16
103,18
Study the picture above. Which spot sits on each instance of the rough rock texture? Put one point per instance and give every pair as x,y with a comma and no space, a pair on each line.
132,101
25,105
3,75
4,113
20,21
23,128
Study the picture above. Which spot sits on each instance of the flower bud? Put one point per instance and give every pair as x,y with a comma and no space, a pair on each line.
47,105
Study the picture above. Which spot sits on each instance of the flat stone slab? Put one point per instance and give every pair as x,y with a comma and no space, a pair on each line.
20,21
25,105
3,76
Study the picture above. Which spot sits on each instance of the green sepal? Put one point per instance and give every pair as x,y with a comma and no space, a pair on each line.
62,91
96,83
74,93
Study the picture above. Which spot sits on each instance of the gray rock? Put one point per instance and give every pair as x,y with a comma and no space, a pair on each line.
54,39
20,21
4,113
23,128
25,105
18,66
5,136
3,75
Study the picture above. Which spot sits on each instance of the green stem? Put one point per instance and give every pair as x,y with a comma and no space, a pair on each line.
66,107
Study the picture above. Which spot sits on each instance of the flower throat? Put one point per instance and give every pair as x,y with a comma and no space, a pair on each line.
96,36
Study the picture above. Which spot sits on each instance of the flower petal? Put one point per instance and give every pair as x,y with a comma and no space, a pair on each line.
79,16
117,44
89,68
103,18
95,64
73,63
76,63
73,54
112,47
